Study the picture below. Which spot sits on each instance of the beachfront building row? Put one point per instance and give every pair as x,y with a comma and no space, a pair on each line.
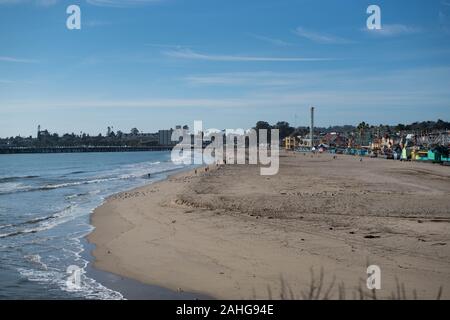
431,147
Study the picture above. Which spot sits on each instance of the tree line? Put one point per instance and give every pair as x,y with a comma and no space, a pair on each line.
362,128
135,139
48,139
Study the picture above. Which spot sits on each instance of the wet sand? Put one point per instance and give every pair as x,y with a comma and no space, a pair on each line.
230,233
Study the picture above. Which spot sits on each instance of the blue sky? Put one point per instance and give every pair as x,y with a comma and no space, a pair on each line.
154,64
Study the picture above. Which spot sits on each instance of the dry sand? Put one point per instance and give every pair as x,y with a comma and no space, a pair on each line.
231,233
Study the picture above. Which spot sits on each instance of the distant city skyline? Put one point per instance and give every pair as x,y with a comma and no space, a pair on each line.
132,131
154,64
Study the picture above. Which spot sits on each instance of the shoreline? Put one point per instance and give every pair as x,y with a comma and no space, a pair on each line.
131,288
81,149
192,233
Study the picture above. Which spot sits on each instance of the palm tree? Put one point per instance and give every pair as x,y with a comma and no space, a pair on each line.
362,127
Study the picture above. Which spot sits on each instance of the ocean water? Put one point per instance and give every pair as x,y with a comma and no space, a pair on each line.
45,205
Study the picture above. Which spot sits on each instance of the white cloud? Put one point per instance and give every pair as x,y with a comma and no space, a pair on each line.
46,2
189,54
393,30
444,16
274,41
11,1
268,99
96,23
3,81
320,37
101,3
17,60
121,3
167,46
433,79
261,78
43,3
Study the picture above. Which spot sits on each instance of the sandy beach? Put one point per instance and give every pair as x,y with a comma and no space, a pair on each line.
231,233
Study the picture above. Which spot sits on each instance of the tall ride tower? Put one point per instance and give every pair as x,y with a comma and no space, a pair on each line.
311,132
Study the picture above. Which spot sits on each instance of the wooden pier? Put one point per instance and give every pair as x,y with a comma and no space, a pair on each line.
19,150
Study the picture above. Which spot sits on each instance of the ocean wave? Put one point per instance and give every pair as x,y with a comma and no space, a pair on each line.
74,183
77,195
143,170
89,289
13,187
148,170
19,232
40,219
36,259
77,172
16,178
48,242
27,188
57,274
44,223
